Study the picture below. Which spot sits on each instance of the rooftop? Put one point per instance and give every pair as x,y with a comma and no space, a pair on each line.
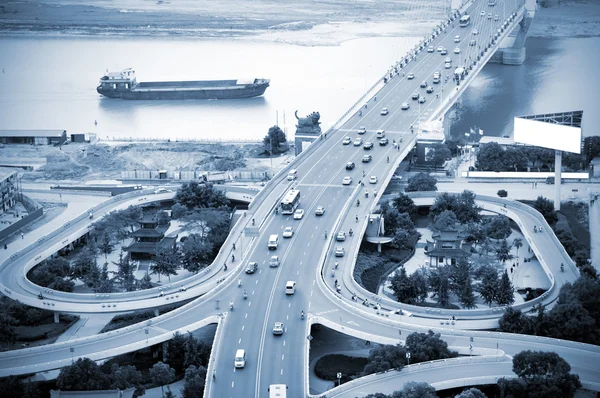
499,140
32,133
6,172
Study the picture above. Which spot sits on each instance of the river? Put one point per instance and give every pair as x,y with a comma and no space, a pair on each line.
49,83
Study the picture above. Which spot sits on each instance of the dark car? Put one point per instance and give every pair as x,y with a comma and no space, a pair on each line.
423,84
415,96
430,89
383,141
368,145
251,268
350,166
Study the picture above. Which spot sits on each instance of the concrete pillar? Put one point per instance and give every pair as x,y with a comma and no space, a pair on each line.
56,317
156,313
557,175
378,247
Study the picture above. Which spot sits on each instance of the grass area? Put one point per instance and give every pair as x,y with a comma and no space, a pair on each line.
373,267
46,332
125,320
328,366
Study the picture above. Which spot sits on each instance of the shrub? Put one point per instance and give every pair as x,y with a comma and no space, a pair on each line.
502,193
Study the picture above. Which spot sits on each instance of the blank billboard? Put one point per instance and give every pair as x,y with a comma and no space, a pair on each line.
548,135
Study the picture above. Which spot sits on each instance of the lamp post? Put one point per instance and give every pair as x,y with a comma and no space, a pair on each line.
72,349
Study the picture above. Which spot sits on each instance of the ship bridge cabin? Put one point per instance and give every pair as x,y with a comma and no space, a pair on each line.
123,80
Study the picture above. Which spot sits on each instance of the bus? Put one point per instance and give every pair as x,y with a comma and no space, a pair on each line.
277,391
465,20
290,201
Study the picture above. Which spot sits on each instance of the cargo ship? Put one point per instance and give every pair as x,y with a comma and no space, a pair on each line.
124,85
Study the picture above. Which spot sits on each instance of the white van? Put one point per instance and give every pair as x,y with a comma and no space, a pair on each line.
277,391
240,359
273,241
380,133
292,175
290,287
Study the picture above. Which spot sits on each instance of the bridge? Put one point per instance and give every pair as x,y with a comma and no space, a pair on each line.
306,258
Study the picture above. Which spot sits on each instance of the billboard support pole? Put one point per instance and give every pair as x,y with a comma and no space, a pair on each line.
557,178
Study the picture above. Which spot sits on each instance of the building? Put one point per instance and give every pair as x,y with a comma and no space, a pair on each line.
150,237
447,247
127,393
8,188
33,137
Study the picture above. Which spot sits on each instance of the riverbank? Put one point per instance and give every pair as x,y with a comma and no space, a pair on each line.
571,18
321,23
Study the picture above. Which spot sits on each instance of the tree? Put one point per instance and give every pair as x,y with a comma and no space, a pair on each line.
418,280
502,193
570,321
83,375
274,137
8,333
475,233
194,382
505,293
146,282
195,253
438,154
391,215
546,208
439,281
514,321
497,227
421,182
471,393
427,347
125,269
162,374
462,283
178,211
414,389
195,351
165,263
404,204
106,245
591,148
463,205
517,243
400,238
489,285
444,221
384,358
403,288
176,353
491,157
195,195
127,376
12,386
503,252
545,374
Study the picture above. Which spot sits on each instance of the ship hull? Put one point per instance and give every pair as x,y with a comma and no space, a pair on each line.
219,89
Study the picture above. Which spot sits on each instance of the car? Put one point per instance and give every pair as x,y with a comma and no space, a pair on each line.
430,49
288,232
423,84
447,65
457,50
319,211
444,52
380,133
362,130
373,180
347,180
415,96
340,251
490,15
298,214
383,141
448,60
475,32
278,328
252,267
162,190
422,100
429,89
368,146
358,142
405,106
274,261
366,158
482,13
384,111
440,48
350,166
347,141
410,76
472,43
496,17
457,38
396,177
341,236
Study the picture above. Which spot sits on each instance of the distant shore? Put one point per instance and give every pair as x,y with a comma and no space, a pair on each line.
570,18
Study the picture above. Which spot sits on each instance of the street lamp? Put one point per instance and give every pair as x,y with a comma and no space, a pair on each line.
408,357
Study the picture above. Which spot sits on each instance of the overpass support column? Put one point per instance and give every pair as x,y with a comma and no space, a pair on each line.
156,313
378,247
557,175
56,317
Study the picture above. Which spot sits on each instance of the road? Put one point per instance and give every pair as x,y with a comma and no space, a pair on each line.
283,359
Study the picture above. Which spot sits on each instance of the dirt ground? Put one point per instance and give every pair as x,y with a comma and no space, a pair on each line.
102,161
571,18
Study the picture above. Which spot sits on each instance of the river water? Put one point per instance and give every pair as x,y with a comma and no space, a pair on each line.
49,83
